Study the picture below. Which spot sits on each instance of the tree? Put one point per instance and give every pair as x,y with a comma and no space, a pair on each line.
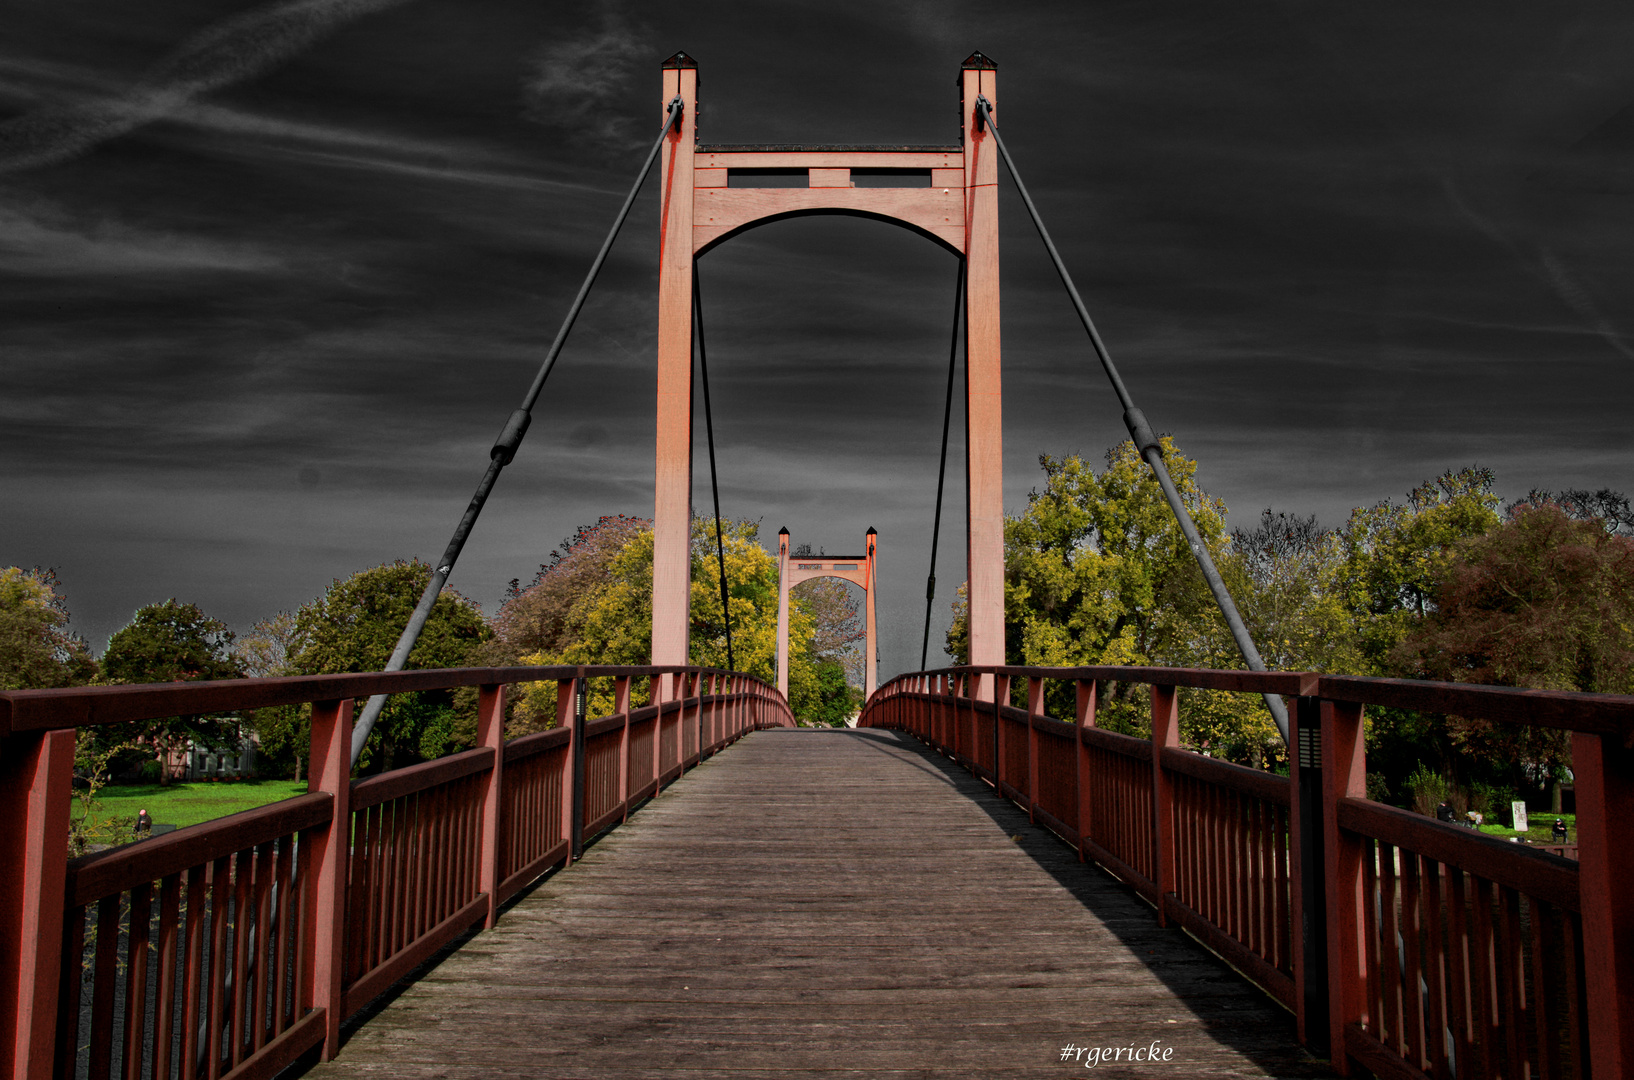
837,625
612,624
1097,571
534,618
174,642
354,626
1396,554
283,731
37,650
1544,600
1611,509
1281,572
1393,558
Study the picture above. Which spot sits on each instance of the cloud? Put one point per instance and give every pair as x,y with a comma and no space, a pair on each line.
230,52
583,85
46,244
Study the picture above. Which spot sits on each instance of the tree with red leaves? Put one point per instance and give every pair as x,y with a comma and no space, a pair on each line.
1543,600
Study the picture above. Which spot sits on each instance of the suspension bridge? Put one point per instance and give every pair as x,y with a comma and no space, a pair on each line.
965,883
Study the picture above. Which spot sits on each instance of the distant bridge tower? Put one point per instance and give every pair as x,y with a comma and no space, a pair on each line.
947,194
857,569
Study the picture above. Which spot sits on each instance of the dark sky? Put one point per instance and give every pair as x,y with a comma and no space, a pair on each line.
272,275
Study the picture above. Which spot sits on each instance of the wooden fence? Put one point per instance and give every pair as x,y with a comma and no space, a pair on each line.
230,948
1408,946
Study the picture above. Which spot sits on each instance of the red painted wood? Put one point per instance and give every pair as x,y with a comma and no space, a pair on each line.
193,966
283,930
1165,733
1604,769
215,987
1344,776
1547,877
329,771
35,775
136,979
106,970
68,993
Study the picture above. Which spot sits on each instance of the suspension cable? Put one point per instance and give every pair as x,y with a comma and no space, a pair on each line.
504,450
709,432
941,470
1140,432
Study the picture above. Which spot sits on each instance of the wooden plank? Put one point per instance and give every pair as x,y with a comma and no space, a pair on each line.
1261,785
894,918
537,743
385,787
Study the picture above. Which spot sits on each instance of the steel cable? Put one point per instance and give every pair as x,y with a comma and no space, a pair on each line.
1140,432
941,470
709,432
504,450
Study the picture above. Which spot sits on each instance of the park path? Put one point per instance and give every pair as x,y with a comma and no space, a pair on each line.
825,903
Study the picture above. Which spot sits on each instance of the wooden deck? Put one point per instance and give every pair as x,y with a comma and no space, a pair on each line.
828,903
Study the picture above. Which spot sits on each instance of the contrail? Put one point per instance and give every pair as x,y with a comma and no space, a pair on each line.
1544,265
230,52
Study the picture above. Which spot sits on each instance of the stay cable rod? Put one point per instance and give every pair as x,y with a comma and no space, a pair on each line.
941,470
1140,432
504,450
709,434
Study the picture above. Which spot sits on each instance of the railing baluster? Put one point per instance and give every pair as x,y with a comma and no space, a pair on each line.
195,992
68,994
106,968
136,979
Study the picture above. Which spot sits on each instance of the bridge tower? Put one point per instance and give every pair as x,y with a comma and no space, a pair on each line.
946,193
857,569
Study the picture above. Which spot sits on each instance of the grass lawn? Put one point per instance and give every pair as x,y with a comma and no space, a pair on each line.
1539,832
182,804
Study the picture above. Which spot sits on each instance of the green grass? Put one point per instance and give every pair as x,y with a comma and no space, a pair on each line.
1539,833
182,804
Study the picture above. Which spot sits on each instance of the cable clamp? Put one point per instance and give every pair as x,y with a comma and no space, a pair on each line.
983,111
510,438
1140,431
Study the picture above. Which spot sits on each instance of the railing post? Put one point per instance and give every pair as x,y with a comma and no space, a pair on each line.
565,716
1001,698
36,778
1035,707
579,695
491,733
1165,733
1605,806
330,770
1085,713
1306,862
1344,775
621,706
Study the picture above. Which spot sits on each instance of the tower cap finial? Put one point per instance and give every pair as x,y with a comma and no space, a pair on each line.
682,60
977,61
872,531
784,531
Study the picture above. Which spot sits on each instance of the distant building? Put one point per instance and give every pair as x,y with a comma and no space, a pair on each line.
219,762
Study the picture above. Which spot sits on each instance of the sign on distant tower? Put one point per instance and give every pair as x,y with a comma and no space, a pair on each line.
947,194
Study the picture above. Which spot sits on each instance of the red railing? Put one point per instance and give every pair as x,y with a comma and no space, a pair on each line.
232,947
1409,946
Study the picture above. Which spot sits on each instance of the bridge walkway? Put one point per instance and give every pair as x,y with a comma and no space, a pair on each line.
825,903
